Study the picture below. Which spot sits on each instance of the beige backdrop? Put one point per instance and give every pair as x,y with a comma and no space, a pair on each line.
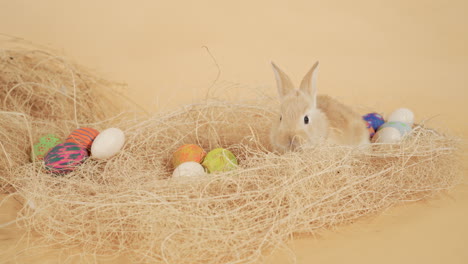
377,54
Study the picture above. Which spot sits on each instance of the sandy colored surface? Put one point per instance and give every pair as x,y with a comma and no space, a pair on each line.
377,54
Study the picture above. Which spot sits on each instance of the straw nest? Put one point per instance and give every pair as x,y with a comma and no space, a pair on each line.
130,205
41,91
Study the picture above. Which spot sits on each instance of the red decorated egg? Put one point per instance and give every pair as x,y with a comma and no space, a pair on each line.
83,136
65,157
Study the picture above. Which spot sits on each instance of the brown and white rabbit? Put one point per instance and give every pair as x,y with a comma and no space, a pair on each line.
308,119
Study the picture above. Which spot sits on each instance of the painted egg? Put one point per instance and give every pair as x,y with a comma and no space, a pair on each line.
83,136
402,115
41,148
108,143
403,128
376,120
387,135
65,157
188,152
188,169
370,129
219,160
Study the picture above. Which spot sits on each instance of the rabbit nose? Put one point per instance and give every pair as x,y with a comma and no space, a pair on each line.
293,142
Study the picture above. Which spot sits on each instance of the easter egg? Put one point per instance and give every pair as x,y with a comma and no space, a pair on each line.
65,157
188,152
107,143
402,115
41,148
387,135
370,129
403,128
188,169
83,136
374,119
219,160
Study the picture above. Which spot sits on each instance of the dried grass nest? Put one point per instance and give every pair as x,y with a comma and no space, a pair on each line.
130,205
40,92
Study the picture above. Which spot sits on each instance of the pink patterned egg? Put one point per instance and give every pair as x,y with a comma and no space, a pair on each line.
65,157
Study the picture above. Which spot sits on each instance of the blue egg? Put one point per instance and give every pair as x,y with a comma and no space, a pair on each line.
402,127
370,129
376,120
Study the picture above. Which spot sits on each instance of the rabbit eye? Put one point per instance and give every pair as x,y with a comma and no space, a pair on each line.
306,120
281,118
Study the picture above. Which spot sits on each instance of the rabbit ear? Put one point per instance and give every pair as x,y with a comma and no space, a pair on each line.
309,83
282,80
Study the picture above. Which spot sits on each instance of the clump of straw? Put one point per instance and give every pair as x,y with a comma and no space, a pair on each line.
130,205
46,86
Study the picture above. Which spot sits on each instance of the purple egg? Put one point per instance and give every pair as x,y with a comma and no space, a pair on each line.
65,158
370,129
376,120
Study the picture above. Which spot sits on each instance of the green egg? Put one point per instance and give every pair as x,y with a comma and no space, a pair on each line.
219,160
45,143
402,127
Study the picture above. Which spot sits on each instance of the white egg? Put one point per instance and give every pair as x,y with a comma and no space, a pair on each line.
402,115
387,135
107,143
401,126
188,169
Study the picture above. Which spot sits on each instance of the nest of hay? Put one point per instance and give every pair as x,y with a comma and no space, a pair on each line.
129,204
44,85
41,91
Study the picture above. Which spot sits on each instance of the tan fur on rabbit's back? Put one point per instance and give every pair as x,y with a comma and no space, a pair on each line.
346,127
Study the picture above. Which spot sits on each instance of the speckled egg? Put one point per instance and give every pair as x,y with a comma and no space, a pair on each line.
186,153
219,160
83,136
403,128
65,158
376,120
41,148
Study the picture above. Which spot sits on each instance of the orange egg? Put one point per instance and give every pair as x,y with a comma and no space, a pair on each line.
83,136
188,152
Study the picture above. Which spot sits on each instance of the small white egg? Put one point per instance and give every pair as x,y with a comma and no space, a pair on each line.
402,115
107,143
387,135
189,169
401,126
